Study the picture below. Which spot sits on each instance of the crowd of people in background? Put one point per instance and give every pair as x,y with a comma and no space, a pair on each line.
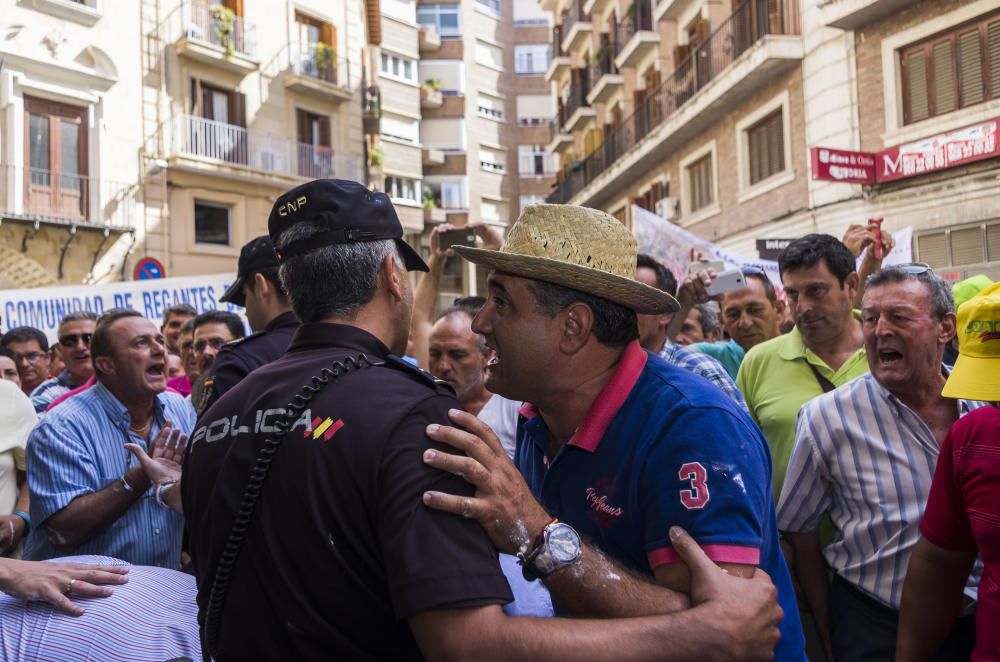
561,466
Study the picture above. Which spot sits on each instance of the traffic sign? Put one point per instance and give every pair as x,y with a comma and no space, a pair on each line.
148,268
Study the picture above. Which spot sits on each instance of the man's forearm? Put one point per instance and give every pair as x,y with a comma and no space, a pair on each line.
424,303
812,575
932,600
597,587
88,515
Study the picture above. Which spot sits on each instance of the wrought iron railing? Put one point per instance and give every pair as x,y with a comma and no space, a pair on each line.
639,16
319,62
578,91
214,24
749,23
573,14
46,195
603,63
196,136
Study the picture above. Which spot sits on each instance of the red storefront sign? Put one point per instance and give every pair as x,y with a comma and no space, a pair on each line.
839,165
947,150
940,152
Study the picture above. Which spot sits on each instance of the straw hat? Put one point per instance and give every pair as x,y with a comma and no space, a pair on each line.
976,375
576,247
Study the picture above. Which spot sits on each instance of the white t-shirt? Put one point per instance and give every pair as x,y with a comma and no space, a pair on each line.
501,415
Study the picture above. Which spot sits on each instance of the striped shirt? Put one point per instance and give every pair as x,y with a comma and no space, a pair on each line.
867,459
50,389
153,617
77,450
704,366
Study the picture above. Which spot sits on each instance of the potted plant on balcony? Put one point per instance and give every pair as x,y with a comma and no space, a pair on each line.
325,56
224,22
372,114
376,157
432,84
428,198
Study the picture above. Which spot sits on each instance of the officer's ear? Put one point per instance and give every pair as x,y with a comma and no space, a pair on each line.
259,286
392,276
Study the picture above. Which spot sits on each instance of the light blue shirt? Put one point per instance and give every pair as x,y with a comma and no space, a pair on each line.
79,449
729,354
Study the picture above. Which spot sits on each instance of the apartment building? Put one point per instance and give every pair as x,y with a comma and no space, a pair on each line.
721,116
168,130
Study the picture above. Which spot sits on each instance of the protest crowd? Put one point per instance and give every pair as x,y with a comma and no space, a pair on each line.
597,460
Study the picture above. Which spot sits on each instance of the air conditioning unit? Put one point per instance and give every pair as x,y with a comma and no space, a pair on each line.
666,208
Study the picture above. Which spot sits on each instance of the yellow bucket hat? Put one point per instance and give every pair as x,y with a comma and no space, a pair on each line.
976,375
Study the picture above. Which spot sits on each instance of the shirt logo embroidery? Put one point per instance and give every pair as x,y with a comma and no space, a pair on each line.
324,428
602,512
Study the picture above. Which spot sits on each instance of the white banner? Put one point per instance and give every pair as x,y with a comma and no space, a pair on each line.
43,307
671,244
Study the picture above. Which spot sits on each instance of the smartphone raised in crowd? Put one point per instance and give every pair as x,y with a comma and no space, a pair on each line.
459,237
727,281
718,266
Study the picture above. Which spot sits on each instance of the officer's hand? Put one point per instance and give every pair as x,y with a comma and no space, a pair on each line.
744,611
503,505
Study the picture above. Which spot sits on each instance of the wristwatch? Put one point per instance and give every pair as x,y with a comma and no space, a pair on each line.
557,546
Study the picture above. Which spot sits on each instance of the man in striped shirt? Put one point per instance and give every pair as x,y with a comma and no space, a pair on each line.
75,331
87,495
865,455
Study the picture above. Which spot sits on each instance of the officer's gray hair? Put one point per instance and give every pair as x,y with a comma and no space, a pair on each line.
333,281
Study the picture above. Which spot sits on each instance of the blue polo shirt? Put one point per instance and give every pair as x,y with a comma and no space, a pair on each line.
660,447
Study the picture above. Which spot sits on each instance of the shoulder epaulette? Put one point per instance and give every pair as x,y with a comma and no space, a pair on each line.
239,341
425,377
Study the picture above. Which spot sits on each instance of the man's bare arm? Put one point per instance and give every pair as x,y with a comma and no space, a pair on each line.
932,599
705,632
811,571
425,297
88,515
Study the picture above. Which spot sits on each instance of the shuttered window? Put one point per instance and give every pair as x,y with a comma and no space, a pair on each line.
965,247
953,70
700,183
766,142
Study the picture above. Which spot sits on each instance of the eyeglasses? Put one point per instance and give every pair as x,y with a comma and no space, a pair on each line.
71,339
215,343
914,268
30,357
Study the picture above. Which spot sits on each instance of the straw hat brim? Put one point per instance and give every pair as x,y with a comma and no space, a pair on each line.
624,291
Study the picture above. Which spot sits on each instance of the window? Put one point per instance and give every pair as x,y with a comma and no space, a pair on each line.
212,223
766,147
701,189
492,160
492,6
535,109
400,128
491,107
953,70
452,195
533,160
402,188
531,59
214,103
443,17
56,154
493,210
446,134
404,10
489,55
961,246
315,154
450,72
526,200
398,67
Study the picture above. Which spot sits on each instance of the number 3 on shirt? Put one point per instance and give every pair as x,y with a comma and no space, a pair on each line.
696,497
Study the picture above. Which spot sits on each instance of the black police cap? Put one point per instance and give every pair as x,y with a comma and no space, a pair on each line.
347,210
257,255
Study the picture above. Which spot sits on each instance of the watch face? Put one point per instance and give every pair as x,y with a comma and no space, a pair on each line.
563,543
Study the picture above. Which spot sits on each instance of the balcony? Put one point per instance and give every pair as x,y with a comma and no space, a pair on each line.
435,215
318,72
211,35
854,14
204,145
605,80
596,7
559,139
430,98
671,10
756,44
431,157
428,39
579,113
637,34
42,196
575,27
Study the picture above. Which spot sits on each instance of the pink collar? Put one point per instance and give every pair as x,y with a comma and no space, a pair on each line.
608,402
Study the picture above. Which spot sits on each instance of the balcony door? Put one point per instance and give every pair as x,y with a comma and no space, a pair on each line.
315,154
312,31
55,178
218,126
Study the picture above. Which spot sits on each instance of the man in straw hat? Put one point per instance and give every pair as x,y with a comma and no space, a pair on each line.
613,440
338,558
963,511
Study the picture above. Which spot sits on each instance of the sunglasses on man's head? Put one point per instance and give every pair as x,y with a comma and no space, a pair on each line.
71,339
914,268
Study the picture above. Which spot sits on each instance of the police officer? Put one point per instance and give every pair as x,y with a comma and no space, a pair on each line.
257,289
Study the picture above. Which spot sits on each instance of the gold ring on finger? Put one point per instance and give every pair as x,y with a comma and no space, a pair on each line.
69,587
466,508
